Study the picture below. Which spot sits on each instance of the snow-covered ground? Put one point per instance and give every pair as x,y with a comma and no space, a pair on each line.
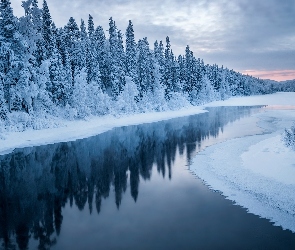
78,129
256,172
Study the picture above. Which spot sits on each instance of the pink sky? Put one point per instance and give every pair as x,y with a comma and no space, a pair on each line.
277,75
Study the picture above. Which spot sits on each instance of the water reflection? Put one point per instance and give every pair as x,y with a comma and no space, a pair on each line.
36,183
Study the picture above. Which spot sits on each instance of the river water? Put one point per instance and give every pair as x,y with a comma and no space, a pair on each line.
130,188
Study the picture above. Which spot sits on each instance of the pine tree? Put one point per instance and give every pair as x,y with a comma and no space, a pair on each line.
117,76
130,51
167,75
72,46
101,53
112,36
90,27
83,33
90,64
3,107
69,82
92,58
37,24
7,20
120,53
13,55
159,54
7,30
83,45
58,79
156,50
187,74
182,70
159,58
36,16
47,31
145,70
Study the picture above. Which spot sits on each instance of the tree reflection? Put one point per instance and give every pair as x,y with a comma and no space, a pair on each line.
36,183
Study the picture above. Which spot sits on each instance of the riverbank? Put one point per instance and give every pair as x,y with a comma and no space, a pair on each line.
256,172
78,129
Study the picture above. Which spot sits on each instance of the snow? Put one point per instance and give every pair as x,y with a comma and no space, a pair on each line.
280,98
256,172
79,129
271,158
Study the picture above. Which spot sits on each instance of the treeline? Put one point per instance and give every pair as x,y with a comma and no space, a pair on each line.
78,70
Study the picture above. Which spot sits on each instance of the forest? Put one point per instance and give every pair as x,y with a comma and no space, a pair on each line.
76,71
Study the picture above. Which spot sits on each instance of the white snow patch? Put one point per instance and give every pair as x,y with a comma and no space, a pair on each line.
256,172
280,98
271,158
79,129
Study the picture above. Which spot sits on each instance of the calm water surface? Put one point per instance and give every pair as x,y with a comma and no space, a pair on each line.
130,188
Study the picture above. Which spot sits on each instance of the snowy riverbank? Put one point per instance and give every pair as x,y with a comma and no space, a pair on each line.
78,129
256,172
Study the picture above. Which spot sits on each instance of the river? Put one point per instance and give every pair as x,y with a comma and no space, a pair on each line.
130,188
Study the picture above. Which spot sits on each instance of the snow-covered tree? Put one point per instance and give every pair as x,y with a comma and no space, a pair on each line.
76,71
102,58
47,34
145,77
289,137
130,51
117,74
79,97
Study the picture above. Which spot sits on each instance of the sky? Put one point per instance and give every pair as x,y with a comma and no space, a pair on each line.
255,37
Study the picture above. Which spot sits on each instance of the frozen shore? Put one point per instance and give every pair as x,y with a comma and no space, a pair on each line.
78,129
256,172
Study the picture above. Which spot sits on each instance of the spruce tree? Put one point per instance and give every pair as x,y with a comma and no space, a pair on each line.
90,27
47,31
166,79
181,64
3,107
13,55
187,70
145,71
130,51
91,53
8,22
36,16
83,45
113,37
102,57
37,23
57,77
72,44
83,33
117,76
161,54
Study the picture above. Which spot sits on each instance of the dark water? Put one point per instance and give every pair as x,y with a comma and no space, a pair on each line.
129,188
